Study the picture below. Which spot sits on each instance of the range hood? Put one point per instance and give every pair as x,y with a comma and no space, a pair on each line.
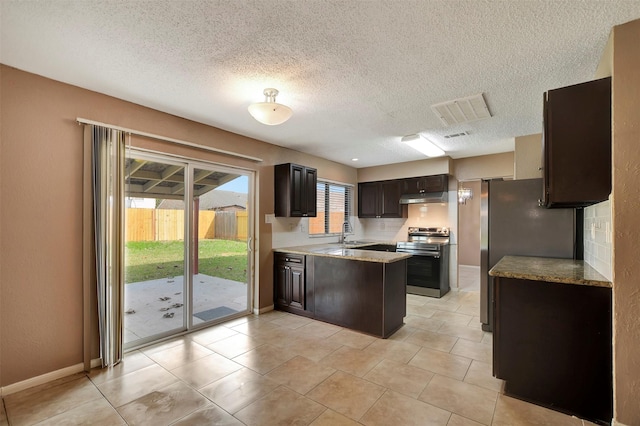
425,197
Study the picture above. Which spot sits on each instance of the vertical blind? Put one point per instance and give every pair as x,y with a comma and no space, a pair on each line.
107,146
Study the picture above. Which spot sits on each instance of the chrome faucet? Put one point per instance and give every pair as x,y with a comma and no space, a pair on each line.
346,227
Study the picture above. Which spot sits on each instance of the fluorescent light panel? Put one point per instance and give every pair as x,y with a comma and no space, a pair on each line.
425,146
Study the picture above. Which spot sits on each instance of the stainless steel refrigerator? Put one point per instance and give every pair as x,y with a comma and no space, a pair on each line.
512,223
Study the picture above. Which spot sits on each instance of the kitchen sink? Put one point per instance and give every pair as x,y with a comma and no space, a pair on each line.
356,243
332,250
327,250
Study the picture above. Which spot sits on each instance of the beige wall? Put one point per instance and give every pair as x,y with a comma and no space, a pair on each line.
464,169
431,166
41,309
528,157
484,167
626,229
469,227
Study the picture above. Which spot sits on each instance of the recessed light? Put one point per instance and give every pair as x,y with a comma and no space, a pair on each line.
354,159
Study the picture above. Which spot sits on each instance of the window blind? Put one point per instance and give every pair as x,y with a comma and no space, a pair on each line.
334,203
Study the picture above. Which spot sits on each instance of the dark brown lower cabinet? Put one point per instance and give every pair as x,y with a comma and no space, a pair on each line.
290,283
552,345
364,296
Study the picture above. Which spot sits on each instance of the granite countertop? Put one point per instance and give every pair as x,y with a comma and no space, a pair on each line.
351,251
567,271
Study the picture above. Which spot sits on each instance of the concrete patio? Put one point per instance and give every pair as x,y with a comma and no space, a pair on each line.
151,303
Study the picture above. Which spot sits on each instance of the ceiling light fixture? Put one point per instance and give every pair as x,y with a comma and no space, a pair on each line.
270,112
425,146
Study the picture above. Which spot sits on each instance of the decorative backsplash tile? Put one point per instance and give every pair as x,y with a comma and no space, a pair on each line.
597,237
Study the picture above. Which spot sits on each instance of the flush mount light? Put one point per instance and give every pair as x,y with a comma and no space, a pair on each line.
270,112
420,143
354,159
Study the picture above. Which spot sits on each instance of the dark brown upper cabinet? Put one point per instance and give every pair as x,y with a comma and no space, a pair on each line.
418,185
380,199
577,145
295,190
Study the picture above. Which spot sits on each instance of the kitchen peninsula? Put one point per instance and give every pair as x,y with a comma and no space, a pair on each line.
552,340
347,285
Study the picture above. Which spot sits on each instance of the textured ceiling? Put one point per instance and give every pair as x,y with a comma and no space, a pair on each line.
358,74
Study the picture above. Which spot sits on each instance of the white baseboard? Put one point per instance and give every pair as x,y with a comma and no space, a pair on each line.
257,311
46,378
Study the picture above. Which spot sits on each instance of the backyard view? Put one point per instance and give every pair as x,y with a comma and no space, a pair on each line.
165,294
155,270
150,260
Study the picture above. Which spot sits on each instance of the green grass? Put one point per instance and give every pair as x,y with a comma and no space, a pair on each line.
150,260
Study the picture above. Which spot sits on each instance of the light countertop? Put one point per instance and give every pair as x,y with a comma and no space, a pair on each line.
567,271
350,252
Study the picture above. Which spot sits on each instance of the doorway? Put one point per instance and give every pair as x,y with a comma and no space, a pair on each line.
175,284
469,238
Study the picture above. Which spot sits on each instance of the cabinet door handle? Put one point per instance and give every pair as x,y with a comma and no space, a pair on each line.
540,202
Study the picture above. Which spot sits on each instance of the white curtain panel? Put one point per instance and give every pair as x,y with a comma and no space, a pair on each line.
108,149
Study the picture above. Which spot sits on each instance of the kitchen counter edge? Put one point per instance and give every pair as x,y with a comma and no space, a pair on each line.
348,253
565,271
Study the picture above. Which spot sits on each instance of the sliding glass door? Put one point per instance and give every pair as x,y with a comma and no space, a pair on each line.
187,257
220,255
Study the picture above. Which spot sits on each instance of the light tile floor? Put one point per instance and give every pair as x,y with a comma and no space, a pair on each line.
281,369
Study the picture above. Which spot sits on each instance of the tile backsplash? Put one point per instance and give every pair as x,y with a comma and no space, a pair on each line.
597,237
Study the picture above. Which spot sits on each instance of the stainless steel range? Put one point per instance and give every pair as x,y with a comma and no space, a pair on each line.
428,267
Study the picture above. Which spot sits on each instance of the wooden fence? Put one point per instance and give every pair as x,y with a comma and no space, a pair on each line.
168,225
316,224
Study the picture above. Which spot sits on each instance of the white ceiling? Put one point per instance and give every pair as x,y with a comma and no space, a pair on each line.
357,74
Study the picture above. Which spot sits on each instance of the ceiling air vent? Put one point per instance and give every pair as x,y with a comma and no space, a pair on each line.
462,110
456,135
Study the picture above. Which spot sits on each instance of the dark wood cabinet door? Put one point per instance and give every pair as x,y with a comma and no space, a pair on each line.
417,185
368,203
390,199
290,284
552,345
438,183
297,287
410,185
297,191
577,144
310,192
282,278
